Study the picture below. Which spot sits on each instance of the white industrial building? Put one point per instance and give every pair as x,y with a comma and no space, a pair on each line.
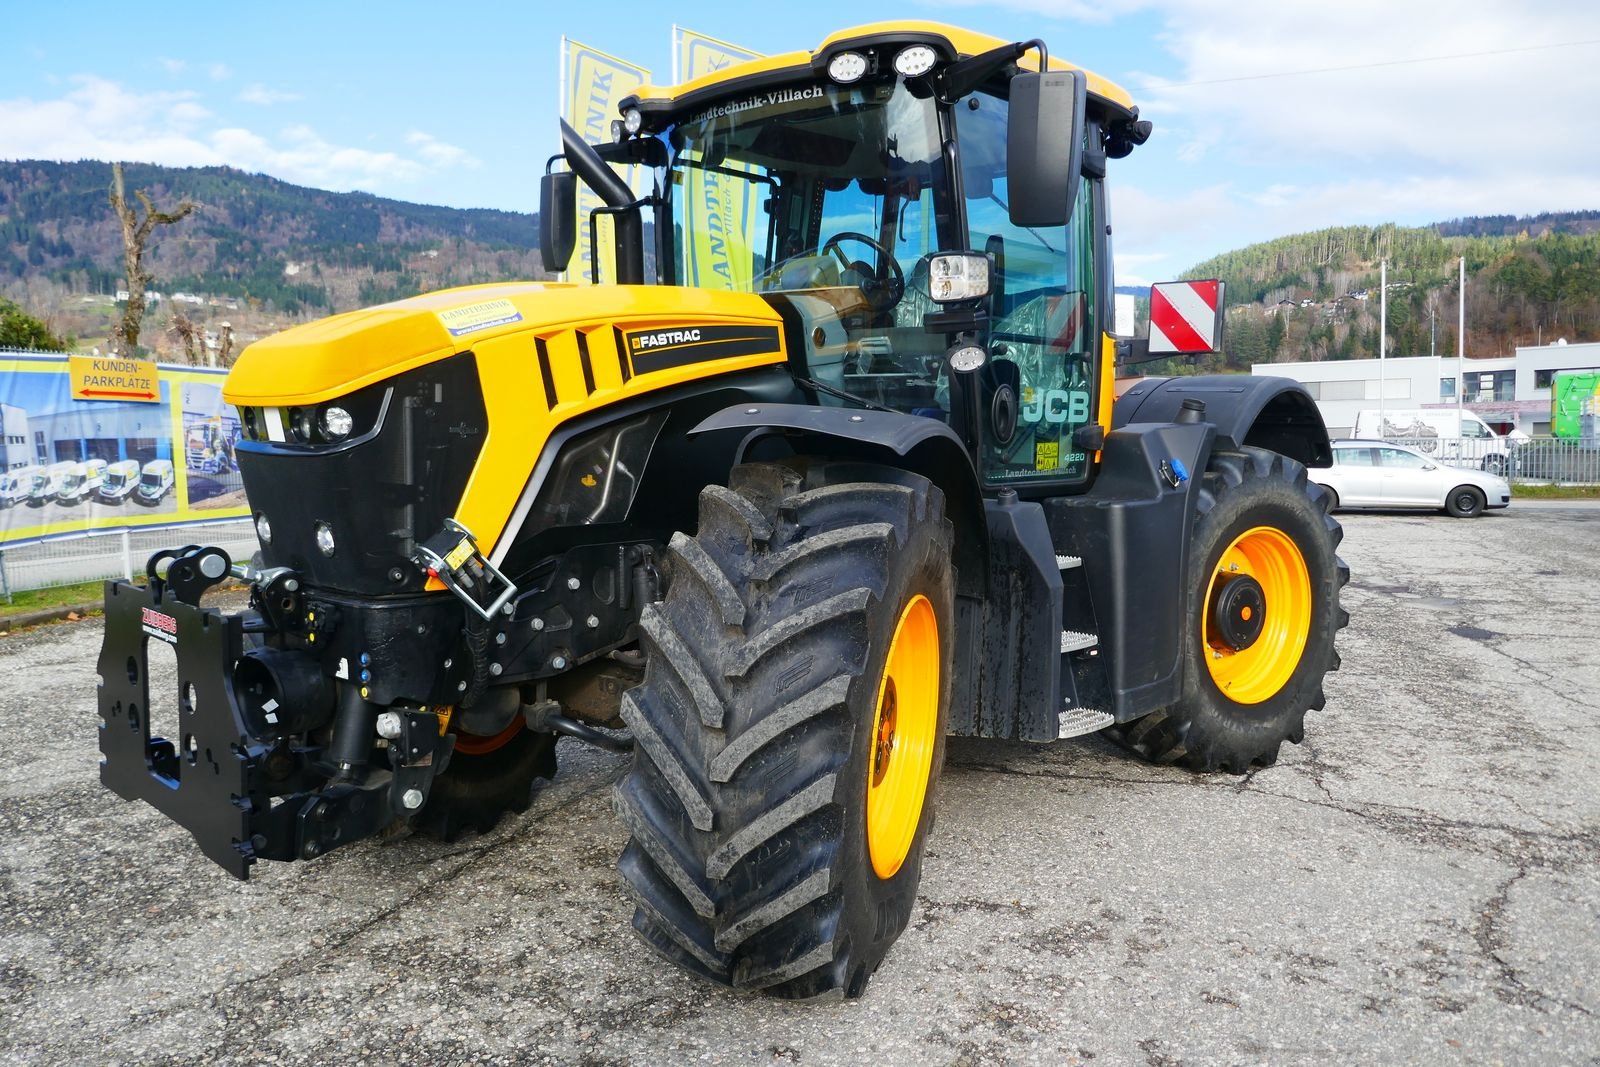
1507,393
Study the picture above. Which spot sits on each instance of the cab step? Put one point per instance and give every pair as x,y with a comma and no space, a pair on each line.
1075,722
1074,640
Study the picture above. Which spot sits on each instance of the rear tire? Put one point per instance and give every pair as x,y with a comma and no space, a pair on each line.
1332,495
775,722
1259,518
1465,502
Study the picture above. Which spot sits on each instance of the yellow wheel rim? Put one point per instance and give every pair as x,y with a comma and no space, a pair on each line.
1281,625
904,733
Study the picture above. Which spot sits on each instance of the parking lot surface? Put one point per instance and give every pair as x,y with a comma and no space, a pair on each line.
1416,883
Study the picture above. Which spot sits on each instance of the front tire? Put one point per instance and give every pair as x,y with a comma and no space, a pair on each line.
487,777
790,727
1263,610
1465,502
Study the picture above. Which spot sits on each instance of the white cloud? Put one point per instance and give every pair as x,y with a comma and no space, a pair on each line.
257,93
1503,127
218,72
440,154
101,119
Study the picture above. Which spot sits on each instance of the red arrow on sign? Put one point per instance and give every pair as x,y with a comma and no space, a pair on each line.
114,392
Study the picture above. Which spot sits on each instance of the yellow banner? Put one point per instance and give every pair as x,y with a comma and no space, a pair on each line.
723,209
109,378
697,55
593,85
113,462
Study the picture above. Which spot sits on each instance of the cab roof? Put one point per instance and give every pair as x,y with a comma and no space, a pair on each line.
952,41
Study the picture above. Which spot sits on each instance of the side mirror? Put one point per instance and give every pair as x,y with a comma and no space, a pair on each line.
1186,317
558,219
1044,145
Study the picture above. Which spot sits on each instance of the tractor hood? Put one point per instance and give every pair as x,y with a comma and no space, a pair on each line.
335,356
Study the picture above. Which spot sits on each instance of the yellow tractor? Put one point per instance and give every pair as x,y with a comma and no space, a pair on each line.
832,470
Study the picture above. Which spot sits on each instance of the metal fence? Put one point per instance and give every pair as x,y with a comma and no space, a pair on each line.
1540,459
98,554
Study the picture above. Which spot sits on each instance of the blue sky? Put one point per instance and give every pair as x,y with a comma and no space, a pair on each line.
1271,117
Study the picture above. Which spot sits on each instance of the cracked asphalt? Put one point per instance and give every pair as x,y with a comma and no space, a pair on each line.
1417,883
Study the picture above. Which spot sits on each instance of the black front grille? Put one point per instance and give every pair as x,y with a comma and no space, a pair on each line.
393,481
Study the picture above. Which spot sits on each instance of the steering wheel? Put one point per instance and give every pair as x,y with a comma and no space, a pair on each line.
887,285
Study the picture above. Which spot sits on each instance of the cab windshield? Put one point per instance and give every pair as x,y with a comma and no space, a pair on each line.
829,200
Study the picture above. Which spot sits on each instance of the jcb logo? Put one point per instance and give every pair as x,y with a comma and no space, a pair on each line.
1056,406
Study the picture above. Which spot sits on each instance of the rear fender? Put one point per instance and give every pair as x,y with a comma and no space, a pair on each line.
1264,412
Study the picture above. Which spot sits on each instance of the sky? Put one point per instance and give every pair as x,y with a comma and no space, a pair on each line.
1270,117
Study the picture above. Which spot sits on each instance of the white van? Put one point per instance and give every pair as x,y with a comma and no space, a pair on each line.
1438,432
17,485
49,481
82,482
155,481
122,478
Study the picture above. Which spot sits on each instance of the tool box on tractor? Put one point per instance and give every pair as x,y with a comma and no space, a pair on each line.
738,516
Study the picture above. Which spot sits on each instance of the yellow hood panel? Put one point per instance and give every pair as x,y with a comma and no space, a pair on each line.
334,356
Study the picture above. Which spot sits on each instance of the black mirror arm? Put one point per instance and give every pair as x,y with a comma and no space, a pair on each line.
960,78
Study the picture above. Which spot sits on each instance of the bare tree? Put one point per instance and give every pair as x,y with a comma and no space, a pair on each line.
190,335
224,357
135,235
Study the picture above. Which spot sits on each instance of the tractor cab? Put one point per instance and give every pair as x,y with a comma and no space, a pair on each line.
926,212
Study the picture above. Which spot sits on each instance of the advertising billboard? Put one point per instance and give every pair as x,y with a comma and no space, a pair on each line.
76,459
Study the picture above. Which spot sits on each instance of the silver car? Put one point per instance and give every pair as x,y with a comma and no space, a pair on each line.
1381,474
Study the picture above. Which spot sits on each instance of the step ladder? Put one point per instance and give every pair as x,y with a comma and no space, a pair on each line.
1075,722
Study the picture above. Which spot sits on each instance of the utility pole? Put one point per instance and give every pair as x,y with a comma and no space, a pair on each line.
1383,334
1461,344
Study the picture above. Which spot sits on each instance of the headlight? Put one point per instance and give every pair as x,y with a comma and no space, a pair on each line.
968,357
263,528
954,277
632,121
918,59
337,423
324,539
847,67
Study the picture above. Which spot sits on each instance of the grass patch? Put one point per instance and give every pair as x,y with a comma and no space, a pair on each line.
59,596
1554,492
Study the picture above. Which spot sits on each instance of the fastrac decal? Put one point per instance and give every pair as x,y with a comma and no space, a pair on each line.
159,625
677,346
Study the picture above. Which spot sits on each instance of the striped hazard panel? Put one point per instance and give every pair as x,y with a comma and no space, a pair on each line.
1185,316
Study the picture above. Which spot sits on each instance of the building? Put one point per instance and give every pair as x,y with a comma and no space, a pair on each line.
97,430
14,438
1507,393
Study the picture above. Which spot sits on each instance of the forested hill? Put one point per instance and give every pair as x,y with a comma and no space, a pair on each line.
1316,295
285,248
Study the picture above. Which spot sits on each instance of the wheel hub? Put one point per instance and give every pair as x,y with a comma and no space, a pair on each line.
883,744
1239,612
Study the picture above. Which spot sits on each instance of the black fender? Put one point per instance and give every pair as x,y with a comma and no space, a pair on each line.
915,443
1262,411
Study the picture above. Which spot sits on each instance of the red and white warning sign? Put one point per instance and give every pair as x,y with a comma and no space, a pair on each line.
1186,317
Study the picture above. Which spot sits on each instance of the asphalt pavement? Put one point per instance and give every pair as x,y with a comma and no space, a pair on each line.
1416,883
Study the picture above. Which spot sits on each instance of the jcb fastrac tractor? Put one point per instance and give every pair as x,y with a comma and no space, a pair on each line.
840,474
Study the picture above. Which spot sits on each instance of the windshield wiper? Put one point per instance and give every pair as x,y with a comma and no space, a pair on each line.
842,395
1007,209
